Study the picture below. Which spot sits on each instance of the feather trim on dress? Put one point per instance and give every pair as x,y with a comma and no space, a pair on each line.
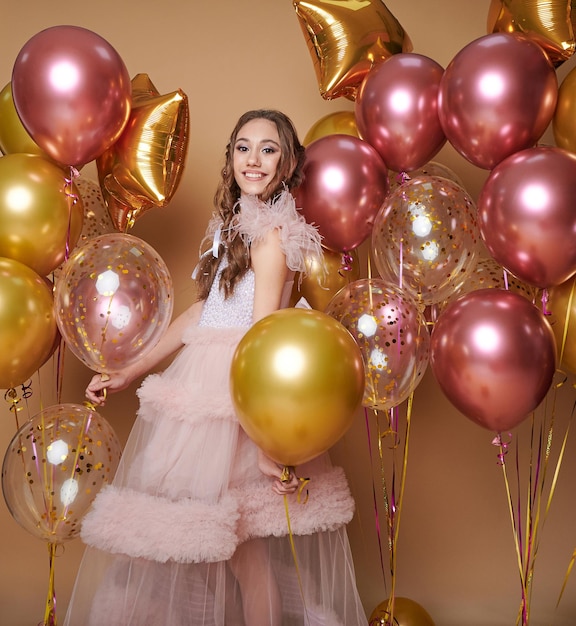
299,240
124,521
329,506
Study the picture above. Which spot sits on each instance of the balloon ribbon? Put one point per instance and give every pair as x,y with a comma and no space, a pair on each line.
304,481
392,500
50,611
536,511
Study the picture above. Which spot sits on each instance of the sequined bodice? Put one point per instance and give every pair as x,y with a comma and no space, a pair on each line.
234,311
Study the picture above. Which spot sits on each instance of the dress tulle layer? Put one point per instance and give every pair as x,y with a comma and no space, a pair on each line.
191,533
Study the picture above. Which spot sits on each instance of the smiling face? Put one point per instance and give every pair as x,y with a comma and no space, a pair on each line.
256,155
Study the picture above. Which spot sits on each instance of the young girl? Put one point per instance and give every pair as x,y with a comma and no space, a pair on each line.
193,531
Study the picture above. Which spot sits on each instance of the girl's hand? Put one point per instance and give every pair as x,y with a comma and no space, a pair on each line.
101,384
285,481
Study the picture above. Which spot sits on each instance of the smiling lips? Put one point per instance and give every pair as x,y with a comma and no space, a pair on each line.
254,175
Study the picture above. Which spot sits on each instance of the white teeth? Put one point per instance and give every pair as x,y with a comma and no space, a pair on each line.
253,176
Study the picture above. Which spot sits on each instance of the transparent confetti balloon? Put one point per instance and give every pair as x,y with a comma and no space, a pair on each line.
432,168
113,301
391,332
489,274
54,467
426,238
97,221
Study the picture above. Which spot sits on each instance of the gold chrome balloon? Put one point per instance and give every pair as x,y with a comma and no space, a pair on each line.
406,612
14,138
324,280
563,125
27,323
296,380
562,307
339,123
346,39
546,22
41,213
143,168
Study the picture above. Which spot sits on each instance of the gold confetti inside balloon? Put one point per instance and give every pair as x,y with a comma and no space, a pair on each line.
426,238
346,39
391,332
296,380
489,274
547,22
113,301
142,170
54,467
27,322
97,221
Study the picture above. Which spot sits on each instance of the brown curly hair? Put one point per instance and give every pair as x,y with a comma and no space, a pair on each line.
288,174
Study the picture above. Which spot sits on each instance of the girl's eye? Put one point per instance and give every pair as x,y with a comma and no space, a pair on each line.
269,150
241,148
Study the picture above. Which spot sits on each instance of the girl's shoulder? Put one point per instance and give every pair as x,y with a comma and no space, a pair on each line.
298,239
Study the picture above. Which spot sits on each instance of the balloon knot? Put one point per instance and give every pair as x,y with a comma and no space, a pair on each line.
544,300
347,261
503,445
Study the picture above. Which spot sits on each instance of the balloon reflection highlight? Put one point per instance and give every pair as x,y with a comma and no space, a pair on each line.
113,301
493,354
296,380
426,238
391,333
54,466
346,39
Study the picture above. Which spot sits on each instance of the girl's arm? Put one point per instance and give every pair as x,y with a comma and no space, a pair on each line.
170,342
270,274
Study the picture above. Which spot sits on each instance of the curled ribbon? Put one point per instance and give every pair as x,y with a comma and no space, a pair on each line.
503,445
347,261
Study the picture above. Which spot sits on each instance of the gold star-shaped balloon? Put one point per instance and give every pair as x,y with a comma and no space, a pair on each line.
346,39
547,22
143,168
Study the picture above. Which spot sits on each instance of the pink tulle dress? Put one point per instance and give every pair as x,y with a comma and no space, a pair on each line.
190,532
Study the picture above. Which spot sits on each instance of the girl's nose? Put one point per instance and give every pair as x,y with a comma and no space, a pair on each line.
253,158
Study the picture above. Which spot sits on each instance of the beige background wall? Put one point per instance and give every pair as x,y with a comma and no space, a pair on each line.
456,552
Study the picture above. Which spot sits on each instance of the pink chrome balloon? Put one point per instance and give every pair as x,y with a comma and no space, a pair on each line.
493,354
397,110
72,93
527,217
497,96
345,184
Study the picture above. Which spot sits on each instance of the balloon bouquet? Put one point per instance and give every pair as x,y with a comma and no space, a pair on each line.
62,77
112,296
53,468
491,348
